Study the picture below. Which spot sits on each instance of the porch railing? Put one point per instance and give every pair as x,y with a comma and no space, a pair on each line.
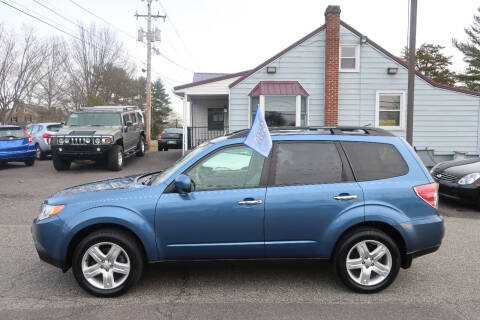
198,135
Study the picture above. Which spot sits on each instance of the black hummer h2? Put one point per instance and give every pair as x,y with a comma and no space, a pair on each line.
108,133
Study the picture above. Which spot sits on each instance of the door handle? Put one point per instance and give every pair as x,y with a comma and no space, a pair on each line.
346,197
246,202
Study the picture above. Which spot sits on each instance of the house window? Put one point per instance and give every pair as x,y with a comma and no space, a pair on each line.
349,58
390,109
215,119
281,111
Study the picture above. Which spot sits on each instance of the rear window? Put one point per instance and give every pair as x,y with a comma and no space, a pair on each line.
54,127
374,161
302,163
173,130
11,133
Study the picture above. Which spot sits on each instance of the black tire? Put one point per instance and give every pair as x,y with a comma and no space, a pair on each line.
160,148
348,241
165,149
121,238
30,162
141,147
61,164
39,154
115,158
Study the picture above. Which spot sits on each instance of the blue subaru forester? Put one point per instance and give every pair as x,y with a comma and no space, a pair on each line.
357,196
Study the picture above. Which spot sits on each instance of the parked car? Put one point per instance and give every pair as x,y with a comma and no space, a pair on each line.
104,133
359,197
459,180
41,134
170,138
16,145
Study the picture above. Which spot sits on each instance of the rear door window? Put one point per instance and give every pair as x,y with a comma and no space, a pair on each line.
374,161
302,163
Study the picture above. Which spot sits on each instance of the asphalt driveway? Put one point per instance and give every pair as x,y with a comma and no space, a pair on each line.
444,285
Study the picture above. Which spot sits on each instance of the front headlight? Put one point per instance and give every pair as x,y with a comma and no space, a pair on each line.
107,140
97,140
48,211
60,140
469,178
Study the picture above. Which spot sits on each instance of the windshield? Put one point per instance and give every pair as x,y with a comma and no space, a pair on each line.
54,127
94,119
12,133
161,177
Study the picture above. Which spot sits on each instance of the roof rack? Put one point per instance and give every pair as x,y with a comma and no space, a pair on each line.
110,108
341,130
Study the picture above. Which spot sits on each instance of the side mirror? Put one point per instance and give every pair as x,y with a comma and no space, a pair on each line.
183,185
129,123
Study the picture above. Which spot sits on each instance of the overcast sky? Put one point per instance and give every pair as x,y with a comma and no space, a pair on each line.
235,35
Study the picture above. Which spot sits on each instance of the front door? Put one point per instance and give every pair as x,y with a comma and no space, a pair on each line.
223,216
310,187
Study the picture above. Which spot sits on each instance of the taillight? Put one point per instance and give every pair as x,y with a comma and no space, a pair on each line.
28,136
159,136
428,193
46,135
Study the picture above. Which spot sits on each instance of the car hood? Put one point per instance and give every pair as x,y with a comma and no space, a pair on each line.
459,168
128,182
88,131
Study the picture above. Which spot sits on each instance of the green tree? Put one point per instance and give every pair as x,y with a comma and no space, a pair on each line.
431,61
160,108
471,52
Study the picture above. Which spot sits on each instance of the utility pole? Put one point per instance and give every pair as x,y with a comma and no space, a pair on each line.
150,39
411,69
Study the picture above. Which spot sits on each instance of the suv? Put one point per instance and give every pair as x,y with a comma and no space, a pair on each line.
104,133
359,197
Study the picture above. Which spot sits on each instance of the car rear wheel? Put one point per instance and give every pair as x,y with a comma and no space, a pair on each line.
115,158
107,262
367,260
39,153
30,162
61,164
141,147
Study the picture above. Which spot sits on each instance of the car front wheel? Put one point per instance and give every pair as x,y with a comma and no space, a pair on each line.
115,158
107,262
61,164
367,260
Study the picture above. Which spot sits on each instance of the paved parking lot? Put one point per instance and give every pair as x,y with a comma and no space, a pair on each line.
445,285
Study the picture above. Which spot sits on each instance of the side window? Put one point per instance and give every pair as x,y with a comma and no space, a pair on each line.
229,168
126,118
139,117
373,161
302,163
133,117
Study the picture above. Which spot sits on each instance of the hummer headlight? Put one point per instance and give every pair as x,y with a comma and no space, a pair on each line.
61,140
97,140
88,140
107,140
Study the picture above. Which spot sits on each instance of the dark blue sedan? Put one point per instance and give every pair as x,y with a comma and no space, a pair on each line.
16,146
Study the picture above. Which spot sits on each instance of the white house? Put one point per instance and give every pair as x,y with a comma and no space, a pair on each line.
335,76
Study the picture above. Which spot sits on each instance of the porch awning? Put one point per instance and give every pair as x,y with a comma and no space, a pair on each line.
278,88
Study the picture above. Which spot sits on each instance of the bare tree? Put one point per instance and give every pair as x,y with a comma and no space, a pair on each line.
51,88
19,68
93,52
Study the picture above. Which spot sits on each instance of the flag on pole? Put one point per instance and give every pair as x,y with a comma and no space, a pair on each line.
258,137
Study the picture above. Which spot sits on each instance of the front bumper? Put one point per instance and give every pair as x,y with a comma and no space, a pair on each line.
19,156
86,152
453,190
47,242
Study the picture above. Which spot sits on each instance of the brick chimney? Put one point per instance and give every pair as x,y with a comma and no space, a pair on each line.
332,43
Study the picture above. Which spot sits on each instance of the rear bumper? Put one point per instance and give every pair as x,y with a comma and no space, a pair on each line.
13,156
170,143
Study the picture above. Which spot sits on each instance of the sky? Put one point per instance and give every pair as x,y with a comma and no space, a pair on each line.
236,35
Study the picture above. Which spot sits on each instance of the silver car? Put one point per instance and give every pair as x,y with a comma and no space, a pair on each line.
41,133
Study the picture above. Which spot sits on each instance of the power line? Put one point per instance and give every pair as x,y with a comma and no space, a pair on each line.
127,34
179,36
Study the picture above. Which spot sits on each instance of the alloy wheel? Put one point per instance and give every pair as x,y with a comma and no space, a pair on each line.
106,265
369,262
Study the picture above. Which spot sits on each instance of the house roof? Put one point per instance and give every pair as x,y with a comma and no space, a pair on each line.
245,74
201,76
207,79
281,53
284,88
